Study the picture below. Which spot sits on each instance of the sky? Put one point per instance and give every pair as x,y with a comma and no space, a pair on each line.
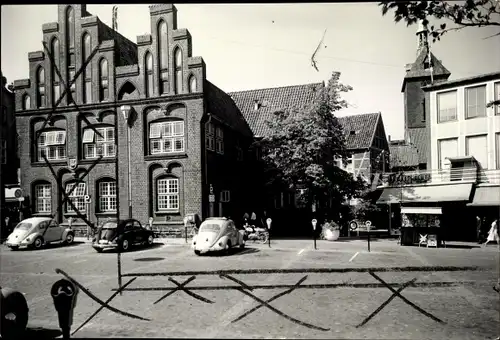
251,46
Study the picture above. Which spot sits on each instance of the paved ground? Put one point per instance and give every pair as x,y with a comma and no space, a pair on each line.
463,300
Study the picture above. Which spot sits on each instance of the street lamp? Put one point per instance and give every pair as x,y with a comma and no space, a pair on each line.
126,111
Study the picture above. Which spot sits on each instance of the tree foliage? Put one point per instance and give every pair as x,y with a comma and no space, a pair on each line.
303,144
469,13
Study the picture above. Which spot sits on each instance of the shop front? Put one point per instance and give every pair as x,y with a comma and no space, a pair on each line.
485,205
423,211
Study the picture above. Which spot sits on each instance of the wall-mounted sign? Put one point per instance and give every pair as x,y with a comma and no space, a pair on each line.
401,178
211,198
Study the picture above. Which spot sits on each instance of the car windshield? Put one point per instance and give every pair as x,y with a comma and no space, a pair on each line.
23,226
109,225
212,227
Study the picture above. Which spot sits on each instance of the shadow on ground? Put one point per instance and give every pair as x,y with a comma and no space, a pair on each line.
232,252
40,333
51,246
133,249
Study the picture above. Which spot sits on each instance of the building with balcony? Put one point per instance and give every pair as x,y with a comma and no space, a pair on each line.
463,175
143,112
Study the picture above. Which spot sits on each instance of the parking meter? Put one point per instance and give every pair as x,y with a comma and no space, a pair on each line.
64,294
314,222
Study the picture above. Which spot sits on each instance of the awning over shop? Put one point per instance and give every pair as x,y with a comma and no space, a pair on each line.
427,194
422,210
486,196
13,195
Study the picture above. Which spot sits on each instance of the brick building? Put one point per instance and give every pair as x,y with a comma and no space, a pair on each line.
9,161
366,143
187,139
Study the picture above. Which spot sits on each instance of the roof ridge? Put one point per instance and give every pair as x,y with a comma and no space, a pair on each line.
275,88
360,114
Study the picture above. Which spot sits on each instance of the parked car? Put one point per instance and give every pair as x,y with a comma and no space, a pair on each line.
122,236
217,234
35,232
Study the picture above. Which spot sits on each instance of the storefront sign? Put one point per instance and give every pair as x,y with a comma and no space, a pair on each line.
401,178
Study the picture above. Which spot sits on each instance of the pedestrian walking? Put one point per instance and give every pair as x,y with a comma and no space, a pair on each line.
493,234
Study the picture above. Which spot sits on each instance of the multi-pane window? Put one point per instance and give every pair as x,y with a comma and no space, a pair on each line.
219,140
163,53
475,98
149,74
43,198
3,151
56,87
168,194
87,72
447,148
447,106
178,70
107,196
95,145
52,144
40,82
225,196
210,136
166,137
77,196
26,102
477,146
497,97
192,84
104,81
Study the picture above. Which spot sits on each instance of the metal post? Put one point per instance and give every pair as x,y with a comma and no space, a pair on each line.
117,186
368,239
314,233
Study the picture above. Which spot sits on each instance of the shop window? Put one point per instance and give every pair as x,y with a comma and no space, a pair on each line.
166,137
52,144
77,196
95,146
107,196
167,194
43,198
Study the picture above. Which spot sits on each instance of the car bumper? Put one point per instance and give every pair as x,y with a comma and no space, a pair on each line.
18,244
104,245
209,249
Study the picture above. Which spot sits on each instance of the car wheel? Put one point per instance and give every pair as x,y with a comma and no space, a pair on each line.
38,243
150,240
14,247
124,245
70,238
197,252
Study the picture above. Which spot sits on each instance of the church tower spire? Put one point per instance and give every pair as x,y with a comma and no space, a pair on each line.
422,38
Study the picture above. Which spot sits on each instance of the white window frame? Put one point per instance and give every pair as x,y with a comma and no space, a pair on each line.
107,196
219,140
441,157
476,105
43,198
95,146
52,144
448,117
225,196
210,137
167,194
166,137
77,197
3,151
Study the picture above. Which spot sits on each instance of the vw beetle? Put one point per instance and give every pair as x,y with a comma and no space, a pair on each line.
217,234
35,232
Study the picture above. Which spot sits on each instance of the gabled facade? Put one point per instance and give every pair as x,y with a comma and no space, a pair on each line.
180,125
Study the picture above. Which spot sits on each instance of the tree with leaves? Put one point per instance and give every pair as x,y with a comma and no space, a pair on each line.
301,150
463,14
